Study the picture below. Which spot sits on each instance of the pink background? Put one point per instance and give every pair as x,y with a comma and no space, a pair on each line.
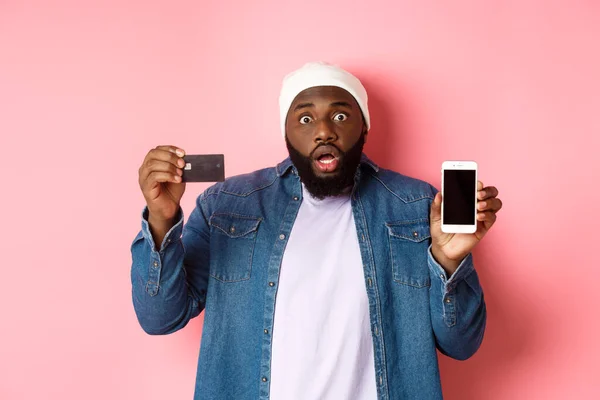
88,87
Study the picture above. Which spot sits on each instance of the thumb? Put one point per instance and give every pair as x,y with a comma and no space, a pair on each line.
435,216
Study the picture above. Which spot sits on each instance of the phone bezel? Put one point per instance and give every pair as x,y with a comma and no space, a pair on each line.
459,165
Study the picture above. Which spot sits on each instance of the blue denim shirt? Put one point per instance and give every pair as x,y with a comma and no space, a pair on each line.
226,260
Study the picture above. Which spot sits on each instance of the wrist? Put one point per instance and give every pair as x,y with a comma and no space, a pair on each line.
160,222
449,265
159,226
160,218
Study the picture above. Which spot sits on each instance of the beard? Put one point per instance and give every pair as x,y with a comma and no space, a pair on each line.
338,182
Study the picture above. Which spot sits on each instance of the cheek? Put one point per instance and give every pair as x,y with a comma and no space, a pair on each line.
349,136
300,142
350,128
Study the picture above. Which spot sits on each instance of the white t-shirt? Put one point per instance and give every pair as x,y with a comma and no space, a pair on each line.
322,344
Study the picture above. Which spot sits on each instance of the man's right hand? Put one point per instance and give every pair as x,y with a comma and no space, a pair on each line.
160,181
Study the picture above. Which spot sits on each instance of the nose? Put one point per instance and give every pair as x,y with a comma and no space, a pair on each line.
324,132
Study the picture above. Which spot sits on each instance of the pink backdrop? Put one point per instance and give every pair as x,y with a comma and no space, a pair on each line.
87,87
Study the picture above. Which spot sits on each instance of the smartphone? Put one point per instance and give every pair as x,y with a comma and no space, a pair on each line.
459,196
204,168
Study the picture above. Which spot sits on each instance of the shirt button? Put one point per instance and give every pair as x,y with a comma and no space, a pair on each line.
296,198
232,229
266,331
271,284
155,264
282,236
442,276
264,379
415,234
448,300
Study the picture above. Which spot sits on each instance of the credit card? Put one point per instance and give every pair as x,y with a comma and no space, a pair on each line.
204,168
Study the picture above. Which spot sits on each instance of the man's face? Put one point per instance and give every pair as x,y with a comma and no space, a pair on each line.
325,135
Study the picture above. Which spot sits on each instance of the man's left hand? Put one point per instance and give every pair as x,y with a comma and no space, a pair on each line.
449,249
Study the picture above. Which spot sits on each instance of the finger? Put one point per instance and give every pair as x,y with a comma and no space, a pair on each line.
164,155
155,165
487,192
163,166
163,152
479,185
435,215
489,217
161,177
492,204
173,149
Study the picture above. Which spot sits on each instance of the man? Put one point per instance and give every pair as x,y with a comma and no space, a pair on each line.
325,277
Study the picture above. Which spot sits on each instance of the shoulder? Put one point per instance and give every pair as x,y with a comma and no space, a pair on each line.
245,184
406,188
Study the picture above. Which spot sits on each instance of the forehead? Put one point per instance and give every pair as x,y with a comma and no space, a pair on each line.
324,93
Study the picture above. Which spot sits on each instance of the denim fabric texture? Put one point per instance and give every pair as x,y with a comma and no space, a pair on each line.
226,261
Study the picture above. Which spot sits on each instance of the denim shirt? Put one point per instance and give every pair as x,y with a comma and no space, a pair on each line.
226,260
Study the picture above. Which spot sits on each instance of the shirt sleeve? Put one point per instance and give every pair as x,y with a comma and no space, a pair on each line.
169,285
458,311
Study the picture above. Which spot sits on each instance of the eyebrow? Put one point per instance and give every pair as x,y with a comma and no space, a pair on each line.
303,105
334,104
341,104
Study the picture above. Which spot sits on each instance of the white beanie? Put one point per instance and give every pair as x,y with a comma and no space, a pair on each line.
320,74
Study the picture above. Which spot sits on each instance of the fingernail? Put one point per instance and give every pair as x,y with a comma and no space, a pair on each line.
177,178
179,171
482,204
180,152
181,163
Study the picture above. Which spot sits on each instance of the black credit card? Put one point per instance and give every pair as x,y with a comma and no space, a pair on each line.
204,168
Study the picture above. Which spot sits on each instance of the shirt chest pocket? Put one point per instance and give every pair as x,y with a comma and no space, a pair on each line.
409,241
232,242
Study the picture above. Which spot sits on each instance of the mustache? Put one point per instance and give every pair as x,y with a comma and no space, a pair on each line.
312,153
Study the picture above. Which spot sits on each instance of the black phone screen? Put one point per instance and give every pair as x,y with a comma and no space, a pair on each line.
459,197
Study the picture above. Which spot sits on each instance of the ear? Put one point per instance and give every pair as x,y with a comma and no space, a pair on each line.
365,133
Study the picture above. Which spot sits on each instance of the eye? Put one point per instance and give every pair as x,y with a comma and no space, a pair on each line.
340,117
305,120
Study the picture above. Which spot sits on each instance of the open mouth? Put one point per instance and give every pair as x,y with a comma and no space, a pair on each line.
326,158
